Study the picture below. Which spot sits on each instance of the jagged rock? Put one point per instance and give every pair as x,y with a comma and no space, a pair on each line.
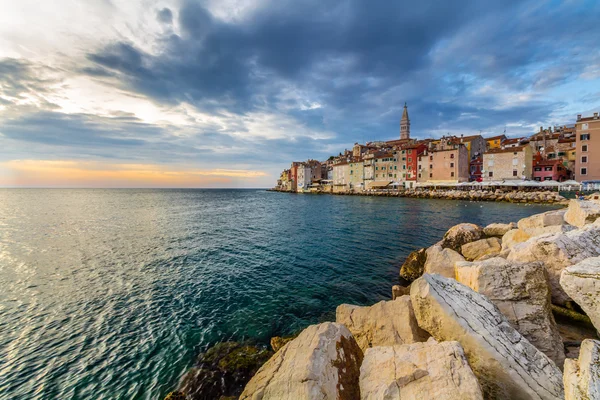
383,324
441,261
413,266
514,237
559,251
521,293
481,248
498,230
277,342
534,225
429,370
461,234
506,364
581,213
399,291
323,362
582,376
223,370
582,283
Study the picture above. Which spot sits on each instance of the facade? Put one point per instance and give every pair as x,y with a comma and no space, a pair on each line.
587,147
476,145
550,170
475,167
410,163
356,177
508,164
304,178
449,164
495,142
341,177
385,167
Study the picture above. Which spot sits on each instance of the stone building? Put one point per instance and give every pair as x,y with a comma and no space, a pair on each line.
508,164
449,162
587,162
341,177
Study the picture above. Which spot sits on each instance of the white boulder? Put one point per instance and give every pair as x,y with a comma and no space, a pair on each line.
559,251
534,225
498,230
581,212
383,324
521,293
514,237
429,370
323,362
582,376
582,283
441,261
481,248
506,364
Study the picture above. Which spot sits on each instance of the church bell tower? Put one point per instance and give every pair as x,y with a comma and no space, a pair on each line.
405,124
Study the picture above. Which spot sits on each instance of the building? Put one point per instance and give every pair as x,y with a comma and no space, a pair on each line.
356,177
409,160
508,164
550,170
545,141
341,177
587,147
405,125
514,142
448,162
476,145
475,169
495,142
304,178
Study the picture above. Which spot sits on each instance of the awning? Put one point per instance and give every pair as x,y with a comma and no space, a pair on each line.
378,184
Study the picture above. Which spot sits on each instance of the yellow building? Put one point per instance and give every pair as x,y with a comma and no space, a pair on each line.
495,142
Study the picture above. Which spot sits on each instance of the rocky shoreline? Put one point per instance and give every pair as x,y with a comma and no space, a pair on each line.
511,196
506,311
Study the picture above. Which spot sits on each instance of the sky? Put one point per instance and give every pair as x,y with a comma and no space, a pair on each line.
226,93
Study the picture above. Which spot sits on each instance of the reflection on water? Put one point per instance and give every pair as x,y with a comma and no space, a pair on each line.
111,293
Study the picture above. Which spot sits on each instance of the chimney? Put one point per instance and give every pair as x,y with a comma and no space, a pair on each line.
541,129
595,115
578,117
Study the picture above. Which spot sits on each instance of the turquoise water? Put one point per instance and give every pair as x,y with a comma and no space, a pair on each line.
110,294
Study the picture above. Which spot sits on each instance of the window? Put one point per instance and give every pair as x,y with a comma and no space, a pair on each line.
584,147
451,173
490,163
389,175
583,171
583,159
431,175
404,167
419,176
395,167
515,161
409,159
430,166
394,175
451,165
515,173
547,168
351,172
420,166
431,158
376,175
383,168
548,178
515,153
537,169
452,155
491,174
410,152
584,126
376,168
585,136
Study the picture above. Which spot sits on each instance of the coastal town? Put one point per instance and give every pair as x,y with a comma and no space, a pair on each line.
552,156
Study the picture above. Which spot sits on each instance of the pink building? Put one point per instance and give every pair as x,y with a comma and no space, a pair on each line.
550,170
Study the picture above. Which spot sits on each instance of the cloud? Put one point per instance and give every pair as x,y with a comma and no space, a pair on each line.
255,84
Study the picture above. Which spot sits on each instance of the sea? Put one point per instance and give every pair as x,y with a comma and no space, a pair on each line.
112,294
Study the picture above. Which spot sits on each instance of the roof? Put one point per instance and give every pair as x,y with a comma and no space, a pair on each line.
586,119
506,150
470,138
512,140
405,113
340,164
496,137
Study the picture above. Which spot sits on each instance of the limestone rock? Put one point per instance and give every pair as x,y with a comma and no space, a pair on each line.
582,376
441,261
413,266
581,213
461,234
399,291
323,362
506,364
511,238
481,248
582,283
521,293
498,230
533,225
429,370
383,324
277,342
559,251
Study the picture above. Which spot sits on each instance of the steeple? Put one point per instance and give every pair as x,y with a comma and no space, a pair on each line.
405,124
